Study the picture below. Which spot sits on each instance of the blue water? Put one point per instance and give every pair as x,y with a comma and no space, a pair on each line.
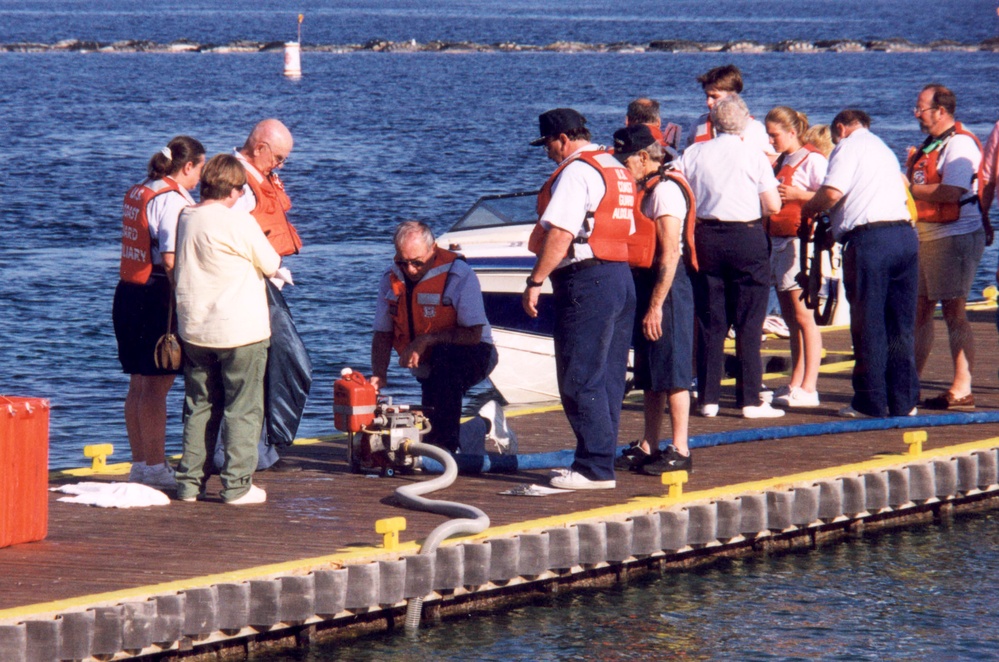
383,137
921,594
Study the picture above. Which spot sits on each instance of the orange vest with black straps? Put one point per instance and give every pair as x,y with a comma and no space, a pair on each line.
922,168
421,309
271,213
136,244
786,222
612,222
645,187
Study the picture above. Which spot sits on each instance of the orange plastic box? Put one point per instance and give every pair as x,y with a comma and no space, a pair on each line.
24,470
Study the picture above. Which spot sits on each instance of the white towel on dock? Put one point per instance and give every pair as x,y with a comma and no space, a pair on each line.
113,495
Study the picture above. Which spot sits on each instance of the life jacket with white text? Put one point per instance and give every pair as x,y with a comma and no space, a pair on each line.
136,243
612,224
420,308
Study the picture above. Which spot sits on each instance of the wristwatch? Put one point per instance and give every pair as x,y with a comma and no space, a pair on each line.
533,283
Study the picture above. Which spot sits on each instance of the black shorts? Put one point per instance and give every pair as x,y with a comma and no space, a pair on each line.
140,318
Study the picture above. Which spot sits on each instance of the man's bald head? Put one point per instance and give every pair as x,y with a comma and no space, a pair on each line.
268,145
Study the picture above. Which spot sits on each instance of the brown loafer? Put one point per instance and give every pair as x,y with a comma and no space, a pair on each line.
947,402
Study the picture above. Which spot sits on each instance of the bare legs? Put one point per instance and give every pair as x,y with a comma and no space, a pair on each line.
679,414
962,342
145,417
806,340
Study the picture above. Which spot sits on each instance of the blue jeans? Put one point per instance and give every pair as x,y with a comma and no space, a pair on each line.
880,275
594,315
453,370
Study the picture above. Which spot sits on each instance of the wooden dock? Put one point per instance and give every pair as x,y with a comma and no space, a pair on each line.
324,517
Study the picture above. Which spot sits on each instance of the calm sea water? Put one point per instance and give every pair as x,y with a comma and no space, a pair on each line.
903,595
380,138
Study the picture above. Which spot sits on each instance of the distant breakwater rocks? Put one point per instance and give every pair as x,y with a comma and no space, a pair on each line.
893,45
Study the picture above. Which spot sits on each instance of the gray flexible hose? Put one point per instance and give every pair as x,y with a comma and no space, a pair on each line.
471,519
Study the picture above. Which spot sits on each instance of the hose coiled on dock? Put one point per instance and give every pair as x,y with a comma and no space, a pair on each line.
470,519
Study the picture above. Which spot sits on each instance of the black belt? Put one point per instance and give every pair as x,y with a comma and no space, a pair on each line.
852,234
568,270
717,222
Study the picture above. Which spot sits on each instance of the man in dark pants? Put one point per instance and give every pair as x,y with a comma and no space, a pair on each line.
864,189
430,310
586,212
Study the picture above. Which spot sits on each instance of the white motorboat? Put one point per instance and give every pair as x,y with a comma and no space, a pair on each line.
492,237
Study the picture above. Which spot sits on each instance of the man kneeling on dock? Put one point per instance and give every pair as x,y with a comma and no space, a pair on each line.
430,310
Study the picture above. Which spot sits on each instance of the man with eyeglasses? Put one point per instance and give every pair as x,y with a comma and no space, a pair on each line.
430,310
265,152
865,194
289,371
943,175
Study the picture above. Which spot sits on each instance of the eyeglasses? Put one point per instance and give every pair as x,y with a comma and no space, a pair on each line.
278,159
416,264
919,111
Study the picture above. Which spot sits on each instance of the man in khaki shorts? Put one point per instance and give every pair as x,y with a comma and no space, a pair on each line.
942,176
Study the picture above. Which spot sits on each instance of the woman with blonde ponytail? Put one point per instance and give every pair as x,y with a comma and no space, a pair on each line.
143,297
800,169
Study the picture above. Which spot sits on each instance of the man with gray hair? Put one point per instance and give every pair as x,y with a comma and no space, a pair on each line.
430,310
735,187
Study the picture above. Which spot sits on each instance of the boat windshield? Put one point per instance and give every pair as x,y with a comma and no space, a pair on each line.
498,210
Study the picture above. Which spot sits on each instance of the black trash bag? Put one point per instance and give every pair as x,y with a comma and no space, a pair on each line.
289,374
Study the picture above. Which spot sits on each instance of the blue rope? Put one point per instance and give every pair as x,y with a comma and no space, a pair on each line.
493,463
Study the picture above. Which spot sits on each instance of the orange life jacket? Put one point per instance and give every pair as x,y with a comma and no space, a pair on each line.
668,136
642,222
270,212
705,131
421,308
786,222
611,224
136,243
922,168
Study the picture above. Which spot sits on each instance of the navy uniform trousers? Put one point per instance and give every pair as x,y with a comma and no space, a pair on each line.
880,276
731,286
594,315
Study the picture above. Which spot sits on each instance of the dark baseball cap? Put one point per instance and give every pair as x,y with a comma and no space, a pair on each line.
631,140
556,122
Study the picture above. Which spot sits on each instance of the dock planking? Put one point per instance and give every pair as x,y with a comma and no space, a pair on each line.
324,509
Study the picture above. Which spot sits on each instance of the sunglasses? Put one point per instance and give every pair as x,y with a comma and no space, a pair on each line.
416,264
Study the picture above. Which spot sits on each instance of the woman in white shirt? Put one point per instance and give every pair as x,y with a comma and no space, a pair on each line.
800,169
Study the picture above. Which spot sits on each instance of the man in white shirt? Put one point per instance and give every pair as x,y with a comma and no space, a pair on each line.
880,265
586,213
735,188
717,84
223,259
943,181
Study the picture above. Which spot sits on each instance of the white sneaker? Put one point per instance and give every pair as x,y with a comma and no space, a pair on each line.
767,396
504,439
849,412
914,412
777,326
762,411
255,495
577,481
709,411
798,397
137,471
160,476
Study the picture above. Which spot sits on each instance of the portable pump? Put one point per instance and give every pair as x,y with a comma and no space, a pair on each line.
379,431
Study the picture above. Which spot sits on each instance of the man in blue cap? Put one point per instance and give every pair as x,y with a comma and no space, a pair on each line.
585,216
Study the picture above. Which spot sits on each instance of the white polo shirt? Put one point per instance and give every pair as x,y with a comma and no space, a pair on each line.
867,173
727,176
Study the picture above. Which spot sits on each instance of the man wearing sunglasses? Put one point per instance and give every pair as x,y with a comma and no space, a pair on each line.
430,310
